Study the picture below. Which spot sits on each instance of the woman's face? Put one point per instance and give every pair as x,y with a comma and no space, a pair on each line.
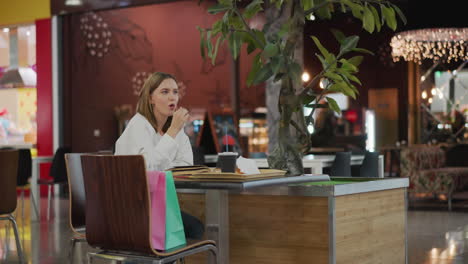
165,98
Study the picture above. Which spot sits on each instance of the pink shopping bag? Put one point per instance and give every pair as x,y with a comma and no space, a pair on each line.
157,187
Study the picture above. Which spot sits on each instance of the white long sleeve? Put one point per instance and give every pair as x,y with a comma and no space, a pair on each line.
160,152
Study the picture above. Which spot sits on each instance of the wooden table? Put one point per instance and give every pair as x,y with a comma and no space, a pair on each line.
216,197
359,221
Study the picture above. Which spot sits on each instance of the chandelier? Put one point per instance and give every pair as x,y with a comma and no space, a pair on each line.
438,44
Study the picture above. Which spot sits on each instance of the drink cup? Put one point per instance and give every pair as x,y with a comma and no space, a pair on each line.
227,161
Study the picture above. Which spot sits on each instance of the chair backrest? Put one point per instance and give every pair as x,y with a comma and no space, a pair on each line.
24,167
370,165
58,169
76,190
117,207
198,155
341,165
8,176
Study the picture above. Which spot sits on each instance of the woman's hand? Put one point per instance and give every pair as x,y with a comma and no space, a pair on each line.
179,118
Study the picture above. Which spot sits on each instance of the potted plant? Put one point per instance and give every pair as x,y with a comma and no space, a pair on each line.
275,59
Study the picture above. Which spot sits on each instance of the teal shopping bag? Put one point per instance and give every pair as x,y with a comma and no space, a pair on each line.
175,235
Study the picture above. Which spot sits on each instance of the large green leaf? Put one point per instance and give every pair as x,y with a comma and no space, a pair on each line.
307,4
325,11
277,63
235,42
209,45
346,65
253,8
271,49
215,52
333,76
356,9
361,50
202,42
263,74
389,15
375,14
368,20
333,105
319,45
356,60
218,8
348,44
217,27
338,35
307,99
256,65
400,14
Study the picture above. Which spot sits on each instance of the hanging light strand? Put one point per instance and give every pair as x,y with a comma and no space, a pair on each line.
444,44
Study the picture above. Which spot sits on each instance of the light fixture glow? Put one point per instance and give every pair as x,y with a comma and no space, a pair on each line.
439,44
430,100
6,30
433,91
322,84
424,95
28,33
305,77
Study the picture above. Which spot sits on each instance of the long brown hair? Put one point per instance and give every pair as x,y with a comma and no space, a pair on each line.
144,106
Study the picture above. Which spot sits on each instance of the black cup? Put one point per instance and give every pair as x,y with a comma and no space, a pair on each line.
227,162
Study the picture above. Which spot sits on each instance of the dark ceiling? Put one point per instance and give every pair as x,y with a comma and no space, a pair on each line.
431,14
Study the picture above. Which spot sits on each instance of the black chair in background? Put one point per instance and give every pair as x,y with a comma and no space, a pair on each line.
8,202
58,172
341,165
370,165
24,174
198,155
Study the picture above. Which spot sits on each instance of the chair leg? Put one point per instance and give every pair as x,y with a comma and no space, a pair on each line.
449,199
71,253
17,238
22,205
33,201
49,202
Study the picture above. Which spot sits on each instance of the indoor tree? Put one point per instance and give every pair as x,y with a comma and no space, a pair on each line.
275,59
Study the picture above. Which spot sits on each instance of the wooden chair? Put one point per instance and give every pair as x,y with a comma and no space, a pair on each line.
118,218
8,199
77,198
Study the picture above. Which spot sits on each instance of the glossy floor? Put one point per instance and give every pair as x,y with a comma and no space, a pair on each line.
434,235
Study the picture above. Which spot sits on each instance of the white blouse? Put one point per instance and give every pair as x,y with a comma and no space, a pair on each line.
160,152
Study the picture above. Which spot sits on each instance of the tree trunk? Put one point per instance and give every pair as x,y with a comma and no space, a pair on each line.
287,152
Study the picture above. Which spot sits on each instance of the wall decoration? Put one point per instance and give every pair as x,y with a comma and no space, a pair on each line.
138,81
96,34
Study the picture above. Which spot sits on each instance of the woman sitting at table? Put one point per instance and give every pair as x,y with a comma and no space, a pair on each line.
156,132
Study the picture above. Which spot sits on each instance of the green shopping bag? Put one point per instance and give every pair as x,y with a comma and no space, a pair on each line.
175,235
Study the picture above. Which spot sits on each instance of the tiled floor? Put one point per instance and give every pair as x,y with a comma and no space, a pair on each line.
435,236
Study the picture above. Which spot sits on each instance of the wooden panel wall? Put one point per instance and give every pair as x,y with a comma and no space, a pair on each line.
271,229
370,227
